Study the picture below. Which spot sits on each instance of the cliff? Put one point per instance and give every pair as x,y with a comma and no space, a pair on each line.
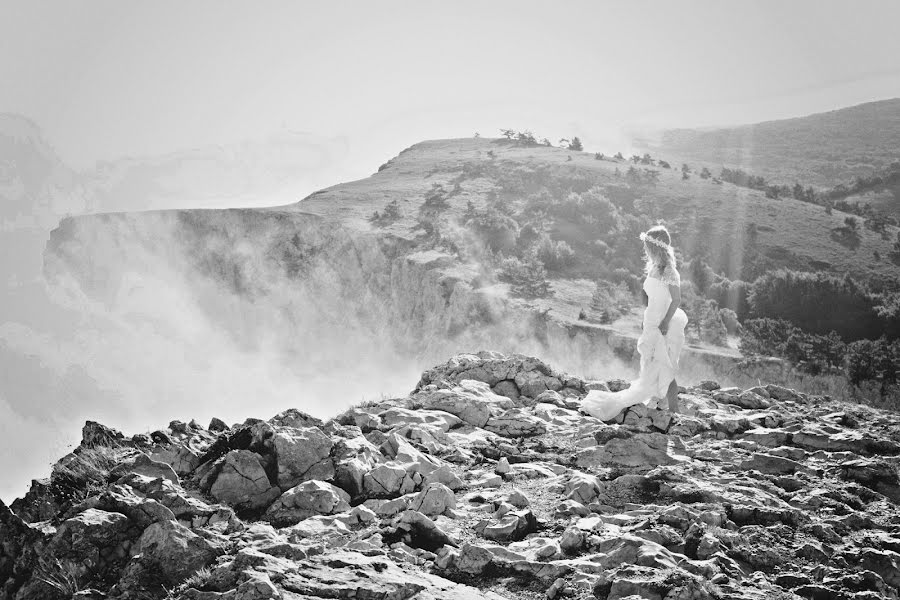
483,482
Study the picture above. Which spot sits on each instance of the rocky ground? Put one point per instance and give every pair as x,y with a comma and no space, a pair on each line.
484,482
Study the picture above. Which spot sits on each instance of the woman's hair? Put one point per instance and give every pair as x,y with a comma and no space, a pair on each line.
655,256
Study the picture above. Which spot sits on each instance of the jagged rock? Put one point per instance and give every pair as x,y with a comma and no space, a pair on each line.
39,503
241,481
515,423
217,424
305,500
582,488
175,550
446,476
874,474
531,375
772,465
122,499
472,401
512,526
434,499
94,541
418,531
396,415
644,450
403,453
294,418
745,399
95,434
144,465
185,507
302,454
179,457
388,481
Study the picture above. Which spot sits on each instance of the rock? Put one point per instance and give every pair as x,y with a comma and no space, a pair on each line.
645,450
175,550
305,500
144,465
403,453
572,540
388,481
518,499
582,488
418,531
217,424
513,526
507,388
446,476
95,434
708,385
179,457
772,465
121,499
515,423
434,499
531,375
471,401
294,418
242,482
302,454
95,539
886,563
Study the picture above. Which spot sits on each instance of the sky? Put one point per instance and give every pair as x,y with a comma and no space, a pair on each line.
103,79
110,78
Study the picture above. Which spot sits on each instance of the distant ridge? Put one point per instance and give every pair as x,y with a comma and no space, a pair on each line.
823,149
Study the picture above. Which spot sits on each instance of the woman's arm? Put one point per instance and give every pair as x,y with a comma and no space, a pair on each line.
675,292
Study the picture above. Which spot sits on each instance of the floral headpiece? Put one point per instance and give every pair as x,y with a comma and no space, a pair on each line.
653,240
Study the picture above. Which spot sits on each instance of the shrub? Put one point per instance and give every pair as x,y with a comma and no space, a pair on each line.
527,276
730,321
609,301
818,303
873,360
498,231
390,214
776,337
731,294
575,144
555,255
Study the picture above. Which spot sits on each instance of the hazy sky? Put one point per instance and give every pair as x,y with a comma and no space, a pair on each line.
106,78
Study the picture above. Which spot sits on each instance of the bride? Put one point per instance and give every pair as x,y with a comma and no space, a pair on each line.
660,342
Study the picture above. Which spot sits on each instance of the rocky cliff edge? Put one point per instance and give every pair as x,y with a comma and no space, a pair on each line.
484,482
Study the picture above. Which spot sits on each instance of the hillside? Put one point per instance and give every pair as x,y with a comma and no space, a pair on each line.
821,150
484,482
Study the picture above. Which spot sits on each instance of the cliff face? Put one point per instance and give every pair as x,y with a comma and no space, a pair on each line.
311,279
484,482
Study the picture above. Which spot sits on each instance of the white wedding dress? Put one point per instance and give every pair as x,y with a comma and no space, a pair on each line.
659,353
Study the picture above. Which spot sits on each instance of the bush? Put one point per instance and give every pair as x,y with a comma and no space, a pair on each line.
731,294
390,214
609,301
527,276
499,232
554,255
873,360
776,337
730,321
818,303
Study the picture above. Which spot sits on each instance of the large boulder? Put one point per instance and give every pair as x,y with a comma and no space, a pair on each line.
305,500
241,481
470,400
516,373
302,454
175,550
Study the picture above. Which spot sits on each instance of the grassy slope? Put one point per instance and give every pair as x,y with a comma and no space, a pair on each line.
791,233
821,150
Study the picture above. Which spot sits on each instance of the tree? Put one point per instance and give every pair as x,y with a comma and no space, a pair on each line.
618,156
508,133
575,144
705,174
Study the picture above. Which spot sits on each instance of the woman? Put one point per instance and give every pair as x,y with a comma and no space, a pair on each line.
662,339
